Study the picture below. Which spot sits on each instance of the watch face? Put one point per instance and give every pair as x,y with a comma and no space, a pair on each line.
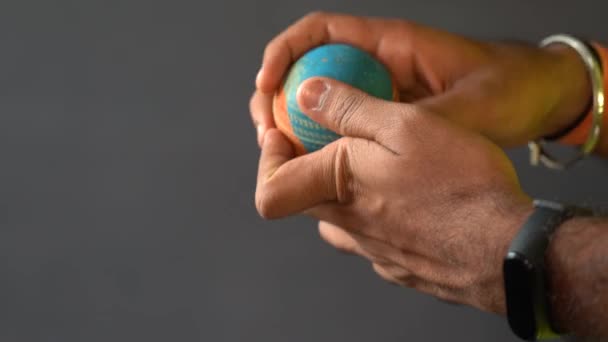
519,289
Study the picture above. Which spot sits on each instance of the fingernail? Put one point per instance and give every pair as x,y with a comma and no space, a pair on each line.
313,95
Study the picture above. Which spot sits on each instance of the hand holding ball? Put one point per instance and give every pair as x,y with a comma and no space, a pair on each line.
340,62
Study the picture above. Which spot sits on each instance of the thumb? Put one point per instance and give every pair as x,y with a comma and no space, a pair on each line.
346,110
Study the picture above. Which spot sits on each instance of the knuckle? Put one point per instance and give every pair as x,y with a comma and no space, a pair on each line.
378,269
401,126
275,45
398,272
252,100
271,46
252,107
336,241
378,206
316,15
265,202
261,204
409,124
405,121
343,246
385,274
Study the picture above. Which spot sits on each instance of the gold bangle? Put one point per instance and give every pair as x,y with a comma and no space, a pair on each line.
538,153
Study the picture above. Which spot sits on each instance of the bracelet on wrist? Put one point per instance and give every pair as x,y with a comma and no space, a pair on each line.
587,129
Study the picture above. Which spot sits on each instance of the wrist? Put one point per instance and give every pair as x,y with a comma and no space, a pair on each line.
518,214
574,89
526,278
568,265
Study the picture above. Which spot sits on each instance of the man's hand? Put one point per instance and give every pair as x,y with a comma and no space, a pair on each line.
431,205
511,93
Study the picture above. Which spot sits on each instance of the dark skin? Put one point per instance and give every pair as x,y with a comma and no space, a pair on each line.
441,214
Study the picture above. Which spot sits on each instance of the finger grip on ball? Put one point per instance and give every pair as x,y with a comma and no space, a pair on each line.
341,62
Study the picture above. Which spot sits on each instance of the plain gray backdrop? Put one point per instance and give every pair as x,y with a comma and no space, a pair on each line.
127,174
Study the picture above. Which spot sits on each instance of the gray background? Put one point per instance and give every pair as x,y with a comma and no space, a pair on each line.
127,170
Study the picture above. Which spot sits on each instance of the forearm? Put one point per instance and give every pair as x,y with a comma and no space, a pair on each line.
577,266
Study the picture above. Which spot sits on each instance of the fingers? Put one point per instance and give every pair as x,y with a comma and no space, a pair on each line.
400,276
313,30
341,239
276,151
386,275
351,112
344,241
260,108
401,265
288,185
391,264
348,241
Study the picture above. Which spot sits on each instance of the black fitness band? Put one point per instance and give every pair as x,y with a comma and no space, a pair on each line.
528,309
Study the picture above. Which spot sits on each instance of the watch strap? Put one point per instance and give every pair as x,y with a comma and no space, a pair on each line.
528,308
